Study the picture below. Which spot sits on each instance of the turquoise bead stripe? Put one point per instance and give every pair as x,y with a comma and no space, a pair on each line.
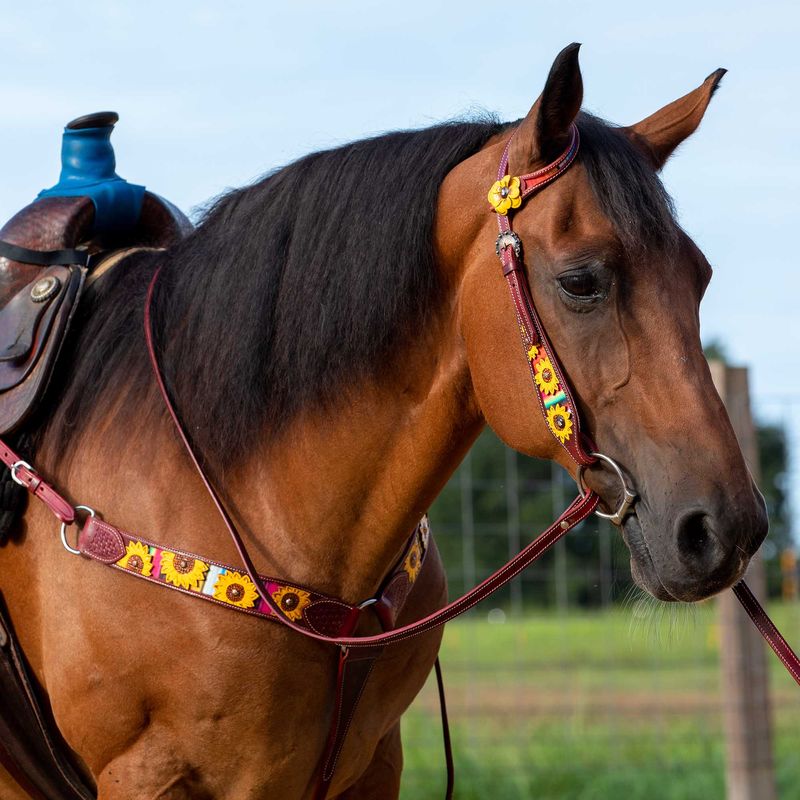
551,401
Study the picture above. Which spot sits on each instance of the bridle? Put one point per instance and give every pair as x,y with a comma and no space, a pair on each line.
357,654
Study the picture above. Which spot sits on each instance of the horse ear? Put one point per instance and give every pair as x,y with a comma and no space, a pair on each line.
544,133
662,132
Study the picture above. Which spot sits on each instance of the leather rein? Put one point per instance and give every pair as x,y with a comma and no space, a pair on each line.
333,621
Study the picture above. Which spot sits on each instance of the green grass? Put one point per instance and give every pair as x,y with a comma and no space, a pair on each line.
590,705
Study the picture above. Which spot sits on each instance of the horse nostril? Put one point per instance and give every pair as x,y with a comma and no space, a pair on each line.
697,543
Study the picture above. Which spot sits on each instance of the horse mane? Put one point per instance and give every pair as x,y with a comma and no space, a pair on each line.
292,289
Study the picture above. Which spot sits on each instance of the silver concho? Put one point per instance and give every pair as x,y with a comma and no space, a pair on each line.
45,288
508,239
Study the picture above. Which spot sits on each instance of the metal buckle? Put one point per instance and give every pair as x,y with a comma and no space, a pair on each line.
15,466
628,495
64,526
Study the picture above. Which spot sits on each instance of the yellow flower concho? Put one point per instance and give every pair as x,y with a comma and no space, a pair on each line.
413,562
545,377
183,571
137,558
532,353
505,195
559,419
292,601
236,590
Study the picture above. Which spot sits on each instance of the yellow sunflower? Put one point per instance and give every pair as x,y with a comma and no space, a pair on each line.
532,353
545,377
183,571
413,562
236,590
504,195
137,558
291,601
559,419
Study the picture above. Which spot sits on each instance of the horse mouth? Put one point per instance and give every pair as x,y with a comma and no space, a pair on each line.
646,576
643,570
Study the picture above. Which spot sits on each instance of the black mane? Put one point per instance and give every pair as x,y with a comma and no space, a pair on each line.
299,285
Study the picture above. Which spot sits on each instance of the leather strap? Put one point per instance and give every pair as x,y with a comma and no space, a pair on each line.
203,577
768,630
355,667
44,258
24,474
550,386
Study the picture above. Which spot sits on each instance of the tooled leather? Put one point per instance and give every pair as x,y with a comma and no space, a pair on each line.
101,541
329,617
25,327
24,384
21,316
51,223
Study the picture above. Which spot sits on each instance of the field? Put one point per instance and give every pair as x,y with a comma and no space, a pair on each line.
622,703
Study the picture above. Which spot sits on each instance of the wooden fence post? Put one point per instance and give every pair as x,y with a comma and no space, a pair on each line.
747,717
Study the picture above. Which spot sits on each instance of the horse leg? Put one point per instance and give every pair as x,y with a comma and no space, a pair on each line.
381,781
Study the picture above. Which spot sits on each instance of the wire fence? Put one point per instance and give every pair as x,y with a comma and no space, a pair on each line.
570,683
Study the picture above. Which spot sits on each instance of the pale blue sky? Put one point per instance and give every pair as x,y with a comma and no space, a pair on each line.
211,95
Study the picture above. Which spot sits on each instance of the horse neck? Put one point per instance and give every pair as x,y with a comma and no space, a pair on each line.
338,494
329,503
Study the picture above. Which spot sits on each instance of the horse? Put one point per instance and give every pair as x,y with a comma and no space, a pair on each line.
335,336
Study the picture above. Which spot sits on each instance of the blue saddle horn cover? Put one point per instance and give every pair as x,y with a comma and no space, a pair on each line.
88,169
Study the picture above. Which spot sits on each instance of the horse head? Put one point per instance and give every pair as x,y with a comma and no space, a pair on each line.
617,284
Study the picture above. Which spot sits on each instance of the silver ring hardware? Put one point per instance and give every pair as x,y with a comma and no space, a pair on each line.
91,512
628,495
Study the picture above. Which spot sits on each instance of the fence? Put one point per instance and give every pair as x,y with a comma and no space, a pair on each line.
571,684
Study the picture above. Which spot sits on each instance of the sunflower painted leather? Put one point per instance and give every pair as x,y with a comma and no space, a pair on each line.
210,580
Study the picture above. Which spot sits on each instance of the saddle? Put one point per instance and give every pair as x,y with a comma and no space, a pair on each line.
49,252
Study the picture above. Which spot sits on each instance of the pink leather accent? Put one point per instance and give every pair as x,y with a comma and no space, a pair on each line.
36,486
101,541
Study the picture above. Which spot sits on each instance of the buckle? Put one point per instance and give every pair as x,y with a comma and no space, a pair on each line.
17,465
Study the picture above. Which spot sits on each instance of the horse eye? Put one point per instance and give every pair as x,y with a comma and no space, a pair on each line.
582,285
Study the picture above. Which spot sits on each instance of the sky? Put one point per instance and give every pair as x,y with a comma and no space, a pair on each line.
212,95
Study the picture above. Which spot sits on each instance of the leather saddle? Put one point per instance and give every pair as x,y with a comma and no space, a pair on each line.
38,300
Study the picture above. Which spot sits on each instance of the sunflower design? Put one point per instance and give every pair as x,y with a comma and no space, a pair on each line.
137,558
236,590
545,377
183,571
533,351
291,601
505,195
413,562
559,419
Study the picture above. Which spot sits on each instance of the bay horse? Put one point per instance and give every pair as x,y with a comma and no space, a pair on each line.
335,337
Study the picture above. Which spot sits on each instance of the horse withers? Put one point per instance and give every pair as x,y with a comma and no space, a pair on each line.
334,338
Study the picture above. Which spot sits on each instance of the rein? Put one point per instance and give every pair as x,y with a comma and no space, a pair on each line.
103,542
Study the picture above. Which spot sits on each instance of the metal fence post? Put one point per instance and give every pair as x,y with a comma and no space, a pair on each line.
750,772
